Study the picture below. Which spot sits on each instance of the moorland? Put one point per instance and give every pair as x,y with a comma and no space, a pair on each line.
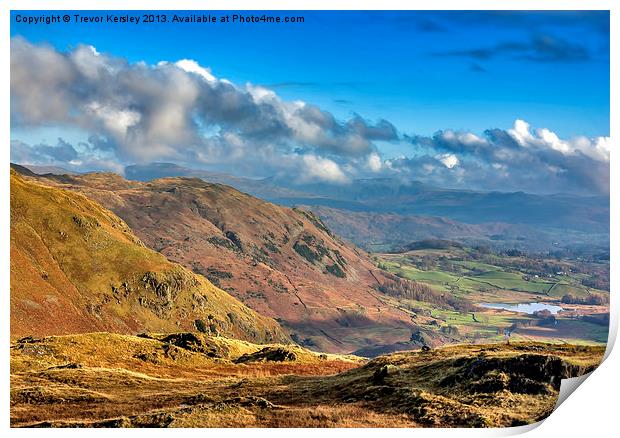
178,302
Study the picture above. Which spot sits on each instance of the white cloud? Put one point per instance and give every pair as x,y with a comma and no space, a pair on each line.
374,162
520,158
262,94
448,160
596,148
191,66
118,121
173,111
181,112
464,138
521,133
323,169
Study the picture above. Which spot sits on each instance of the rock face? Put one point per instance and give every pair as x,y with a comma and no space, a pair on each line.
529,373
268,354
77,267
281,262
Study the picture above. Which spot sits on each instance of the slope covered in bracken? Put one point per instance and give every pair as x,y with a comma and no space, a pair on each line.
281,262
77,267
189,380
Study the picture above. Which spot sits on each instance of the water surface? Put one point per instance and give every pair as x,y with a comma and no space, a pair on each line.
528,308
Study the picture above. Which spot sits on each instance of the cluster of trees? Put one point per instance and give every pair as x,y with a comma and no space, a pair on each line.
432,244
591,299
449,330
600,319
599,282
589,252
534,266
545,317
429,263
412,290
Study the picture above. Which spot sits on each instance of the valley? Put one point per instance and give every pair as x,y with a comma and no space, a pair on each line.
320,219
515,296
182,303
383,214
391,231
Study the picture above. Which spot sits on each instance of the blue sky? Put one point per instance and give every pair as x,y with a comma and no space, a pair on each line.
389,64
421,71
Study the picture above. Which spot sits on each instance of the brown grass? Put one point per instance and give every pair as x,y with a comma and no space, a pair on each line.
97,380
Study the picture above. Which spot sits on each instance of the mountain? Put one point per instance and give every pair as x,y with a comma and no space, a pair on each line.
282,262
390,231
263,188
77,267
83,285
529,221
387,195
43,170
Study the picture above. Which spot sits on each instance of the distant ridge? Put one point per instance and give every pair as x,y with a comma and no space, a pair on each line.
43,170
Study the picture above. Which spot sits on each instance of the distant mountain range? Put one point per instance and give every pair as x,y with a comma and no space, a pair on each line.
385,213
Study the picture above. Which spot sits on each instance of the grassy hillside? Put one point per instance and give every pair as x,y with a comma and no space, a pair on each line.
185,380
281,262
468,271
77,267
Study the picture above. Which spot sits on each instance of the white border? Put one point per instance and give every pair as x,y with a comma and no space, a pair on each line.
591,412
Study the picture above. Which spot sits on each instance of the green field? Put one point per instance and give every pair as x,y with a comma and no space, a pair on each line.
454,272
474,277
513,281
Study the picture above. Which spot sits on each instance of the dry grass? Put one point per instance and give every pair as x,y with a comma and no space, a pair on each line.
110,380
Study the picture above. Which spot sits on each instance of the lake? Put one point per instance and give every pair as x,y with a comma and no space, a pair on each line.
529,308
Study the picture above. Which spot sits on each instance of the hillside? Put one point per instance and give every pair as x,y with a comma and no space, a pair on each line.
379,232
184,380
389,209
281,262
390,195
389,231
77,267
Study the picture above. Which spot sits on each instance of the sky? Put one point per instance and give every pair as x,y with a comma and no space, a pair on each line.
484,100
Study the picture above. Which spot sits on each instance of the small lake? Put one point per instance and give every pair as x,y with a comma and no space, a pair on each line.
529,308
